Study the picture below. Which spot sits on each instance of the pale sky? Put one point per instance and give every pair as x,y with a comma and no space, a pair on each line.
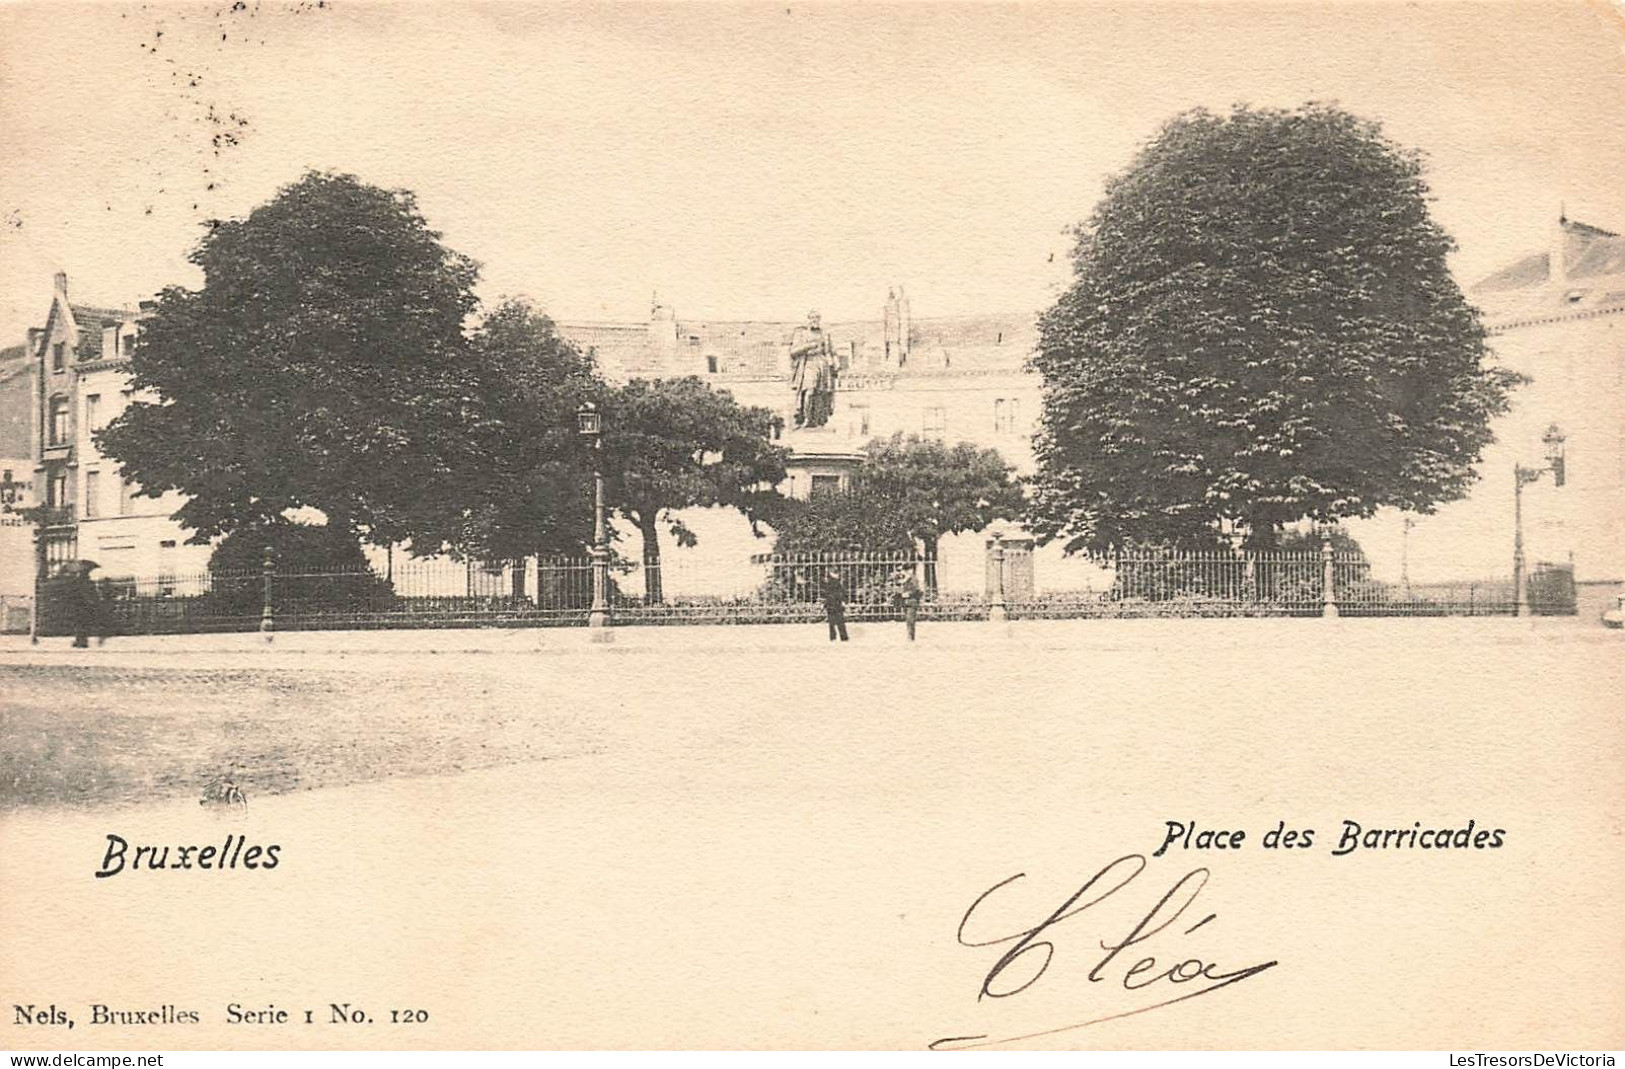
752,161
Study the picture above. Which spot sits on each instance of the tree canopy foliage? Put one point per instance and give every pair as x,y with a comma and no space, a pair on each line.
325,363
672,444
521,475
321,365
1262,328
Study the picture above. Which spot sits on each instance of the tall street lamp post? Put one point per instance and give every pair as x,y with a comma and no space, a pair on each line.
1522,476
590,426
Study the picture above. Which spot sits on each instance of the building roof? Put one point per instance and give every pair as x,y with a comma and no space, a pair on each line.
90,320
1605,256
1588,252
1590,277
758,349
1531,270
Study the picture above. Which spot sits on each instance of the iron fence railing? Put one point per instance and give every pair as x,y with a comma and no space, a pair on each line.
1262,584
771,588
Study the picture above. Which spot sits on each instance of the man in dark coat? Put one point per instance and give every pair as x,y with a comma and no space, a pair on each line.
835,605
908,596
85,603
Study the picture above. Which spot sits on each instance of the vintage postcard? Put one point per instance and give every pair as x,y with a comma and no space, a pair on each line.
712,526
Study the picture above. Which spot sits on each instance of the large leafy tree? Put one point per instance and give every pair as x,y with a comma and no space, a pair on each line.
320,365
1262,328
672,444
936,489
521,477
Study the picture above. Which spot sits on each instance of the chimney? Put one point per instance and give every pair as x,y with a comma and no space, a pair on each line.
905,325
1558,255
61,281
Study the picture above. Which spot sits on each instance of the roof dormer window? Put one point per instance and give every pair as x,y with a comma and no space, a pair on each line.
1575,296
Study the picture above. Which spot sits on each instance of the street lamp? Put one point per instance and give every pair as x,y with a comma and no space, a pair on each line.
1521,477
589,424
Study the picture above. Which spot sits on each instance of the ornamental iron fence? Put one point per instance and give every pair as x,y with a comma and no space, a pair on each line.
770,588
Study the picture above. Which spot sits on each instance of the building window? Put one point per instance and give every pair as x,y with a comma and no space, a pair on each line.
59,356
859,424
126,497
166,568
711,364
825,484
127,344
59,421
57,490
1006,414
93,413
93,491
934,422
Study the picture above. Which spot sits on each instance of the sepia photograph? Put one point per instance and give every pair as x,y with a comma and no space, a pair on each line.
828,526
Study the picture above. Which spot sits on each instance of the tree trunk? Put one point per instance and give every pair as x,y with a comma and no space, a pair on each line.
930,556
1264,539
653,588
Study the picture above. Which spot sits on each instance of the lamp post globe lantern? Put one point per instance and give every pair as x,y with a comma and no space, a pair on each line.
1553,439
587,420
589,424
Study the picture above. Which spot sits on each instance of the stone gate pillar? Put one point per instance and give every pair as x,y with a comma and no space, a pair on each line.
1009,568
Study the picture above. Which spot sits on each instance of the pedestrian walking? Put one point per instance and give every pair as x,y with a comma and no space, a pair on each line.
908,597
835,605
85,604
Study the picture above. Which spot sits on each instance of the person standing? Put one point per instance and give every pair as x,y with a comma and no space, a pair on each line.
86,605
909,595
835,605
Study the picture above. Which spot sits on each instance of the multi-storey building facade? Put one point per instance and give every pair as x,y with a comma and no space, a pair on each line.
954,377
1556,315
16,488
81,382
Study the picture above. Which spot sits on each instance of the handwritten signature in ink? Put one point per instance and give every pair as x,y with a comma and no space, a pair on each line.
1030,951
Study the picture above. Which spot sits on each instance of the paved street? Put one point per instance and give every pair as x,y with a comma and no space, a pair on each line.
762,839
157,717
